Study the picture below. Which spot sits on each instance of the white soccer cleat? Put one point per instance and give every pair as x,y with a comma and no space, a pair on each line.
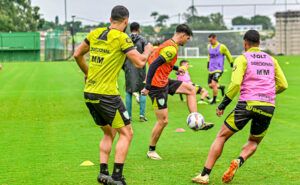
201,179
153,155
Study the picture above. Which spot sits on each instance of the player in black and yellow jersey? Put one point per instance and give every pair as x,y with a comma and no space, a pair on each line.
108,48
258,77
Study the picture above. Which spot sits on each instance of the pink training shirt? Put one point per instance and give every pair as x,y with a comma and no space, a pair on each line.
259,79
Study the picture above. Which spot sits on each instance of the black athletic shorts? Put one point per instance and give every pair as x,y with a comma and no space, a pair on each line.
198,88
107,110
216,76
260,115
159,95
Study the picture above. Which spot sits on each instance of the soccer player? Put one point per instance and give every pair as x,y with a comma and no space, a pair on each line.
159,85
186,78
135,77
215,65
151,58
259,78
108,47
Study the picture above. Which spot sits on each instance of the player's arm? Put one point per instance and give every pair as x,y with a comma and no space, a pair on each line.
137,59
238,72
280,80
79,56
225,51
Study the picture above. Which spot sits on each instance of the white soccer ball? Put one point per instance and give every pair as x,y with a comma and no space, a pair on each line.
195,121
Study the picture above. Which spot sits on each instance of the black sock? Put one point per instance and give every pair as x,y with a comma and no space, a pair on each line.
241,160
221,86
118,171
152,148
201,99
104,168
205,171
208,97
215,98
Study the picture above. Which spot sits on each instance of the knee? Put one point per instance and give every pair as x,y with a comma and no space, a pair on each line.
210,85
163,122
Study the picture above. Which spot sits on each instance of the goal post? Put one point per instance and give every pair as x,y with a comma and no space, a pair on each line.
197,46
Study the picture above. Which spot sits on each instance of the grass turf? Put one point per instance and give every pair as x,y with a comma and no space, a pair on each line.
46,132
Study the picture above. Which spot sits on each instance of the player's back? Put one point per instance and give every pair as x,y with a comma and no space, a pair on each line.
259,80
107,56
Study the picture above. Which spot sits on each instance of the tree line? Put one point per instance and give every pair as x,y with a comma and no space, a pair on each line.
20,16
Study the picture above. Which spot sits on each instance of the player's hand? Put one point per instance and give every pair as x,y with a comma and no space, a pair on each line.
220,112
145,92
149,48
181,71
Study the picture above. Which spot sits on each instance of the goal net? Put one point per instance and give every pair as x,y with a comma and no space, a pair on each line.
197,46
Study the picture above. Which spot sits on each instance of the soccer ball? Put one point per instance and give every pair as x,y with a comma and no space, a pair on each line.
195,121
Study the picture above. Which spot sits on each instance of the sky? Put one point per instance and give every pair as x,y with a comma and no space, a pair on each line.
94,11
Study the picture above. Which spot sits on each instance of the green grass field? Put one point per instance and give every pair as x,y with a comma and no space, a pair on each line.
46,132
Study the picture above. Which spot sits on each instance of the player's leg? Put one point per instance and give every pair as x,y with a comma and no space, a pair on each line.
121,150
162,121
260,123
204,94
214,153
181,97
129,103
105,150
214,86
142,108
248,149
190,92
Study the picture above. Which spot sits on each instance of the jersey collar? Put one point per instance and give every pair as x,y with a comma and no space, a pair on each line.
254,49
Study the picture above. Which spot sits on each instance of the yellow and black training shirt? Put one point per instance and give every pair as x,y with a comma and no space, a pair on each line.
107,55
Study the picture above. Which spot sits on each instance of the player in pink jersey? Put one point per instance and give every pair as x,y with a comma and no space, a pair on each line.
186,78
259,78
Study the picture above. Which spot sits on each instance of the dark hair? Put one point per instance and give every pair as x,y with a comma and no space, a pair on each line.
183,28
252,36
183,61
156,43
134,26
119,13
212,35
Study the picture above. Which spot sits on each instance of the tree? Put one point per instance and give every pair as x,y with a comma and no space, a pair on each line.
161,20
262,20
56,20
217,18
19,15
154,15
240,20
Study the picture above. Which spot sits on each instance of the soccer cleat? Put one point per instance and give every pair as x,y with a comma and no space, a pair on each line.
213,103
229,174
207,126
222,87
201,102
117,182
103,179
153,155
210,100
143,118
201,179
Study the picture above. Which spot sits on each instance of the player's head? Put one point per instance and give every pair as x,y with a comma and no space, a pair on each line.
212,38
156,43
183,33
135,27
120,15
184,63
251,39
